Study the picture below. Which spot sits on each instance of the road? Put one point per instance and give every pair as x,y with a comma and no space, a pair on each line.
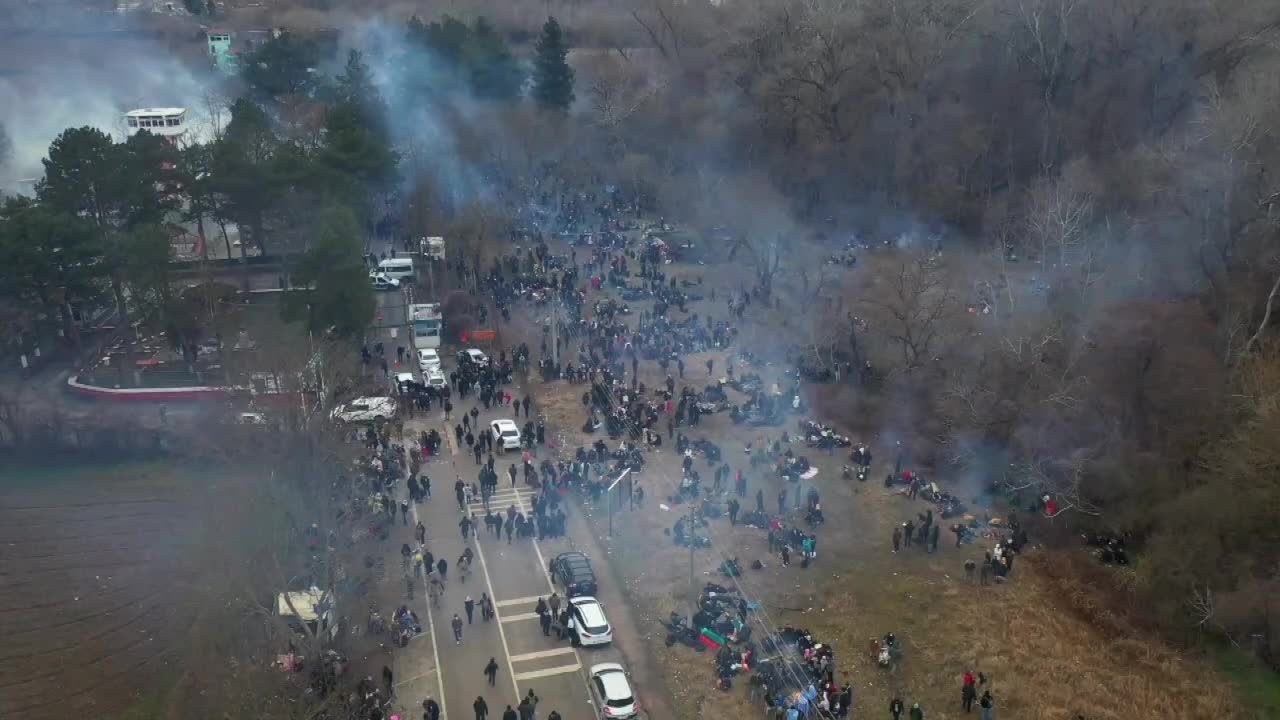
513,575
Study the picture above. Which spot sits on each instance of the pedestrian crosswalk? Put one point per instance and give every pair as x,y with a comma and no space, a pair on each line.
521,498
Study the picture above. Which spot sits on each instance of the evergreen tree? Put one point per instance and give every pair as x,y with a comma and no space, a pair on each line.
242,166
355,88
552,76
83,178
493,71
337,294
47,259
283,65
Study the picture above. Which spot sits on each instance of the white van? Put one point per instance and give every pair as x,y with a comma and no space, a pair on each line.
399,268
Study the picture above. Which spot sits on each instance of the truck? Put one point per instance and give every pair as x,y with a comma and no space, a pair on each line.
428,325
432,248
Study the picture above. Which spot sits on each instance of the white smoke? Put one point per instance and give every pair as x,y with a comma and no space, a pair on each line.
51,81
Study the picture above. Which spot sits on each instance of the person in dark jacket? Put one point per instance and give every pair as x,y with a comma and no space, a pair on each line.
491,671
895,708
481,707
509,714
916,713
967,695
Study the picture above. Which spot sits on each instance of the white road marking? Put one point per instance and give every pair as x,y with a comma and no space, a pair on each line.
543,654
506,649
435,651
518,601
518,617
562,670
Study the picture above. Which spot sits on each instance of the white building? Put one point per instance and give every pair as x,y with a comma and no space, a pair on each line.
165,122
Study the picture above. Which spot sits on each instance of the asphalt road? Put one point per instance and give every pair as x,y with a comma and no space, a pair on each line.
513,575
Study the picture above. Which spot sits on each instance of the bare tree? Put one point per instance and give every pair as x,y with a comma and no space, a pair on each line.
1059,214
915,303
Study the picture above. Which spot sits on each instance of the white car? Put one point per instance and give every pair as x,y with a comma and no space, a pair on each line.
436,378
383,281
428,359
365,409
404,377
472,355
612,691
505,434
589,622
251,418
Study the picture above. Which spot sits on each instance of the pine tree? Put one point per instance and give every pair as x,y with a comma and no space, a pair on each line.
552,76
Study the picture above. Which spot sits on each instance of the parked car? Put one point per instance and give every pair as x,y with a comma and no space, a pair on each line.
404,380
383,281
472,355
612,691
428,359
505,434
589,623
572,570
436,378
365,409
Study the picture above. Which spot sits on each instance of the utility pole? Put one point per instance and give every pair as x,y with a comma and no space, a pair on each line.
555,334
693,589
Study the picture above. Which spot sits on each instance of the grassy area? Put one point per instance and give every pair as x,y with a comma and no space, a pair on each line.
1256,685
77,471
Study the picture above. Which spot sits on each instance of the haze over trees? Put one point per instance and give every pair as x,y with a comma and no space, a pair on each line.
1081,197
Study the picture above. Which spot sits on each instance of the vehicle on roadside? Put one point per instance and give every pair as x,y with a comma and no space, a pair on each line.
429,359
251,418
572,570
505,434
473,356
403,380
365,410
590,627
398,268
432,248
612,691
383,281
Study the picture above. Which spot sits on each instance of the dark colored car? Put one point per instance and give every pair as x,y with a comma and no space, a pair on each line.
572,570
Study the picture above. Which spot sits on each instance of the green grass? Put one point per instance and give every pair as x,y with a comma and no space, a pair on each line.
1258,685
78,470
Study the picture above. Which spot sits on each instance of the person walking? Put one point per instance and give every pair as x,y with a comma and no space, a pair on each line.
481,707
404,513
442,567
431,709
544,619
491,671
420,532
486,608
895,708
916,712
387,677
470,606
760,501
509,714
897,538
967,695
987,706
457,629
933,538
528,706
553,602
